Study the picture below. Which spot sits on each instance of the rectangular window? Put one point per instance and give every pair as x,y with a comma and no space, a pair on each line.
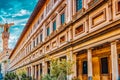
84,67
79,29
54,25
41,36
62,39
54,44
63,58
48,67
48,31
78,5
37,41
34,43
62,18
104,65
118,6
41,69
55,1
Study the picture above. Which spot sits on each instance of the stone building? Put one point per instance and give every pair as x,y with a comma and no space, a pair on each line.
87,30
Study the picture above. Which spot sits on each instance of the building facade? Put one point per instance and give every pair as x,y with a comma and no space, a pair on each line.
85,31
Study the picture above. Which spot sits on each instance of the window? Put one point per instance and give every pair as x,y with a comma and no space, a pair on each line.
118,6
79,29
54,25
63,58
30,47
104,65
84,67
55,1
48,67
41,69
37,41
54,44
47,47
48,31
41,37
34,43
78,5
62,18
62,39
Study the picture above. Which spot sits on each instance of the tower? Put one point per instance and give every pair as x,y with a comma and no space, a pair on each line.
5,35
5,38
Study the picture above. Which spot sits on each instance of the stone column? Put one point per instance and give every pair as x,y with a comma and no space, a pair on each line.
32,71
114,60
35,71
72,56
44,66
89,58
39,72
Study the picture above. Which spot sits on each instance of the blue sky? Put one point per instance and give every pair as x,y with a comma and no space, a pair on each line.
17,11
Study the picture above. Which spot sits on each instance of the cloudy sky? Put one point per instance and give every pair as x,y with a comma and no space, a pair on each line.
17,11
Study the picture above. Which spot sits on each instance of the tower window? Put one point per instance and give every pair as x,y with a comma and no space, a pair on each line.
78,5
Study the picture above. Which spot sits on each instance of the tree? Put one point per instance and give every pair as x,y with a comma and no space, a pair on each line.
59,69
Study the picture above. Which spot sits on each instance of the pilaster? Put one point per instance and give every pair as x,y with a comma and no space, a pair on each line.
89,58
114,60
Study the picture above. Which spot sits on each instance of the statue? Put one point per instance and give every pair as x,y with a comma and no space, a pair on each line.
6,26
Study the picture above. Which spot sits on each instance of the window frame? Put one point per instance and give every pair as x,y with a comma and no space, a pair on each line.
76,6
62,17
85,73
53,25
47,31
107,65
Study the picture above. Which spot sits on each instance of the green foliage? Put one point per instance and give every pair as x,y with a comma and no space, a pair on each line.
25,77
59,69
11,76
47,77
75,78
62,76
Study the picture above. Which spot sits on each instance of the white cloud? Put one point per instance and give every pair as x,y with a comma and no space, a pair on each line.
12,40
17,21
20,21
21,13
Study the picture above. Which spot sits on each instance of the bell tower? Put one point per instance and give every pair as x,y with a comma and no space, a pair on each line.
5,35
5,38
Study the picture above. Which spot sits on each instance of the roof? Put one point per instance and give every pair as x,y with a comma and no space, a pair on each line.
30,20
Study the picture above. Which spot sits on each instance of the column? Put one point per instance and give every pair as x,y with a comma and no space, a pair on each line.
89,58
32,71
72,56
35,71
39,72
44,66
114,60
